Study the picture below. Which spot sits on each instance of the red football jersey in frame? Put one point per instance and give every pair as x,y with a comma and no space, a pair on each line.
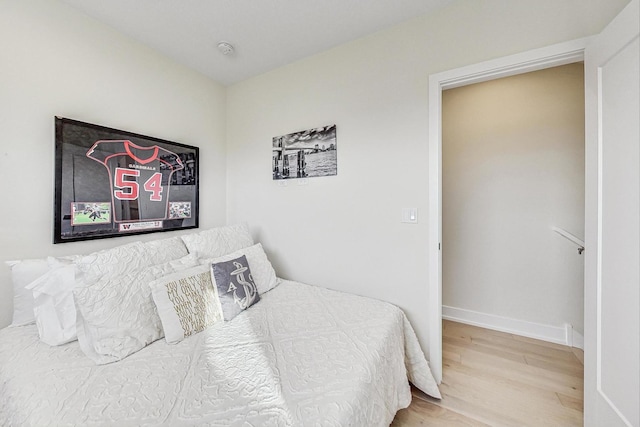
140,178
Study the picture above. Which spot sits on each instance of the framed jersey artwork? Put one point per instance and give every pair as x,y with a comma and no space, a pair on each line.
111,182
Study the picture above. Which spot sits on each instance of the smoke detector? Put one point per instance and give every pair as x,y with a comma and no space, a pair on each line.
226,48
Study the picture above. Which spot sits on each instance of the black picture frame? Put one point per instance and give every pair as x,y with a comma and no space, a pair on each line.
305,154
111,183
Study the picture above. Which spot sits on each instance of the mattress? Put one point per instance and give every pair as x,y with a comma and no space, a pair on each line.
302,356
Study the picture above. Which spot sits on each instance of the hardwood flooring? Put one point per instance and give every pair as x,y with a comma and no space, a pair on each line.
497,379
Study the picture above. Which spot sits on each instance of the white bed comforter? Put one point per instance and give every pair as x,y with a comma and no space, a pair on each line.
302,356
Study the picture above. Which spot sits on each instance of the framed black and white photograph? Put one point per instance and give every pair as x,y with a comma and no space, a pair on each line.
309,153
111,182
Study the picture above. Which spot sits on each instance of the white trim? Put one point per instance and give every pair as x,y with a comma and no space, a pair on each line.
435,227
577,340
618,33
599,242
573,338
554,334
614,408
537,59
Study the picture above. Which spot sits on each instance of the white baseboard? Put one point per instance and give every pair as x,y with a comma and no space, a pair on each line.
560,335
577,339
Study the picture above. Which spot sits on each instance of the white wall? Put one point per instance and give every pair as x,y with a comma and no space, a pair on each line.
344,232
513,168
56,61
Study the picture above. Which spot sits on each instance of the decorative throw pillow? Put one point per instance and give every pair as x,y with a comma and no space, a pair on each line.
235,286
218,241
186,302
116,316
262,272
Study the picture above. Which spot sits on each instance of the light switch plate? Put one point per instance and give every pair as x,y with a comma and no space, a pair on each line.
410,215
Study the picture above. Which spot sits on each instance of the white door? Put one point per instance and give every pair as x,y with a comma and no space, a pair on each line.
612,275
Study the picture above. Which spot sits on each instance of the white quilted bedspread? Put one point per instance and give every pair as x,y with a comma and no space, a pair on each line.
302,356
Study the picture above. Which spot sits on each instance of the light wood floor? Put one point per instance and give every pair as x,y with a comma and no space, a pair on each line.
496,379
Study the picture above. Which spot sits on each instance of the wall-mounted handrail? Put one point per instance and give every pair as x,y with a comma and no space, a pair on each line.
564,233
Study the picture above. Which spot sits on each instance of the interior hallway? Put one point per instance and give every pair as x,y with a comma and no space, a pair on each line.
493,378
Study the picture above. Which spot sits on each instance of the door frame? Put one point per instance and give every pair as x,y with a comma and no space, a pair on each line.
600,407
533,60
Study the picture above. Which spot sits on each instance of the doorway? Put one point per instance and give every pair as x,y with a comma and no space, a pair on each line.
513,174
557,55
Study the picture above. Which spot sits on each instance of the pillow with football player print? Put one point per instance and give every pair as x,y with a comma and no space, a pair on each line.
234,284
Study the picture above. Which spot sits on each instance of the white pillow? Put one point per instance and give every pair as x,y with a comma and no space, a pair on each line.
165,250
53,290
22,273
112,262
116,316
262,271
219,241
54,309
186,302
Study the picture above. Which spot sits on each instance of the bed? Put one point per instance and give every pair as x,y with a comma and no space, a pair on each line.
302,356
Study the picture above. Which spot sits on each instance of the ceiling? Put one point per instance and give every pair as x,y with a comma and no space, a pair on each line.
266,34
